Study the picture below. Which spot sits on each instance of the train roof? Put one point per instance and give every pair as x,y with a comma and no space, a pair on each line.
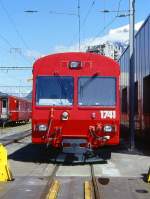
4,95
74,55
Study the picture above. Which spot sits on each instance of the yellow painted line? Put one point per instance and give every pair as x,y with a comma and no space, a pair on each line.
53,192
87,190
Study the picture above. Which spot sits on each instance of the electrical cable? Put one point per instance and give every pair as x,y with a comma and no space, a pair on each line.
109,24
13,24
91,4
62,13
18,33
103,29
119,3
9,44
88,12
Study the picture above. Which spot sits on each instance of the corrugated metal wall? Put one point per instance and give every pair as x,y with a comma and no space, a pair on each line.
142,79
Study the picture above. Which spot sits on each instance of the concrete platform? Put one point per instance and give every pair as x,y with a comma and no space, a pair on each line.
120,177
111,188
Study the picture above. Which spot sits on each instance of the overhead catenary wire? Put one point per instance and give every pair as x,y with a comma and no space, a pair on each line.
115,11
62,13
109,23
85,19
104,15
92,3
10,45
79,27
103,29
76,14
16,30
13,24
9,86
79,23
119,3
6,40
15,68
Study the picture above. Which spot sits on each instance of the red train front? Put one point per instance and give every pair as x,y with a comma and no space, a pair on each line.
76,100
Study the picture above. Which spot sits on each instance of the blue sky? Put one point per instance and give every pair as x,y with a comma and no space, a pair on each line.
43,33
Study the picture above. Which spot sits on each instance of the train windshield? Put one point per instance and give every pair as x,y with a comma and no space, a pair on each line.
97,91
54,90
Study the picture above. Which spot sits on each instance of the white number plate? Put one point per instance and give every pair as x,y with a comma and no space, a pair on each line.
108,114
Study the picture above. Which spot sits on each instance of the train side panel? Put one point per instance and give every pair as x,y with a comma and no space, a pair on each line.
24,110
13,109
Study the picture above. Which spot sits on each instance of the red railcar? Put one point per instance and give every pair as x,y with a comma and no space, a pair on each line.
14,109
76,100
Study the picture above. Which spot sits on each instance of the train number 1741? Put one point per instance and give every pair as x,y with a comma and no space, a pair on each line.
108,114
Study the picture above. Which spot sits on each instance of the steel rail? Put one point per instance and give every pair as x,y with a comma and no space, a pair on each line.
96,188
49,183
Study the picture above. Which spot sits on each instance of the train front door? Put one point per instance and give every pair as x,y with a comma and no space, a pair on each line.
4,114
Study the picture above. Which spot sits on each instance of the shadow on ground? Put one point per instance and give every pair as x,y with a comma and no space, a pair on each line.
40,154
13,124
142,143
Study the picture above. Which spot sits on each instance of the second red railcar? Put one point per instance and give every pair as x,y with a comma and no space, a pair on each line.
14,109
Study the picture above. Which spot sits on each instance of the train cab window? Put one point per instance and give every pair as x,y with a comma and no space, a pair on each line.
97,91
54,90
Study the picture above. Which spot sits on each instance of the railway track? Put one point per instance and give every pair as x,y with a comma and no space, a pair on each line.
92,188
95,184
52,186
50,189
15,137
44,180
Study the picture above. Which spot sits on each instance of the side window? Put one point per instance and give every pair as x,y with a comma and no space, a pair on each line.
17,105
4,104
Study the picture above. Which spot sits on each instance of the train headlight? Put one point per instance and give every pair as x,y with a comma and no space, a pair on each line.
42,127
74,64
108,128
65,115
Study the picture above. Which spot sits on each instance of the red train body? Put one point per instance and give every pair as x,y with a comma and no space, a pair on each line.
76,97
14,109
